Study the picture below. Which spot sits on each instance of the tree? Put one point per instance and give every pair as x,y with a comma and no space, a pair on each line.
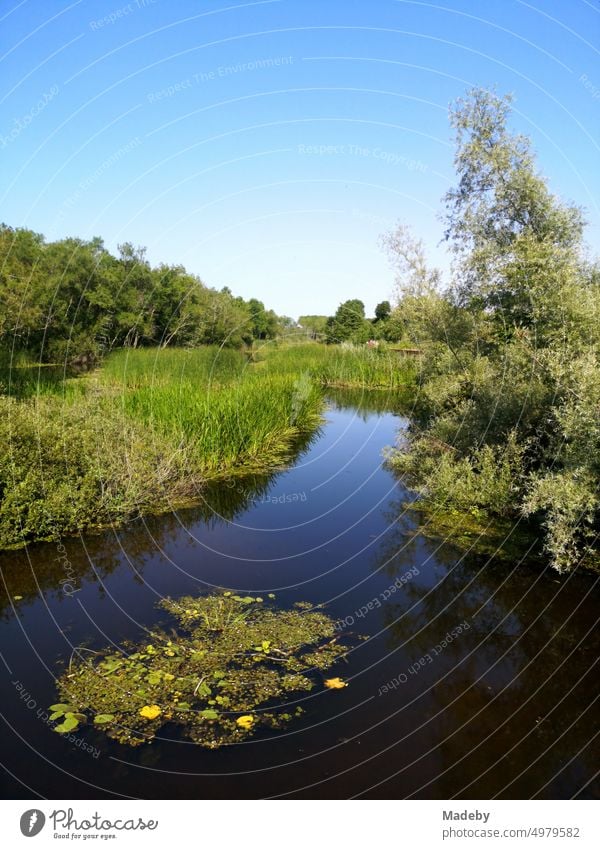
63,300
263,322
382,311
349,323
507,413
515,244
314,324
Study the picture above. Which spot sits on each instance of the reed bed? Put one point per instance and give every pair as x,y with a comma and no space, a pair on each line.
200,367
341,366
249,425
148,429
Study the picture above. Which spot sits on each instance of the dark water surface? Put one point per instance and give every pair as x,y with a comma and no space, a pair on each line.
507,707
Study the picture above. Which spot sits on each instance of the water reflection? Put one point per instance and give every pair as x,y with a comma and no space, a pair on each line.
499,659
365,402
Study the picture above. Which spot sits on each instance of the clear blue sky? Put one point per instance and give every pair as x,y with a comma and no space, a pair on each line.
266,145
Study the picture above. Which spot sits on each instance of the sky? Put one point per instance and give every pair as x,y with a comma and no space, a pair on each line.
267,145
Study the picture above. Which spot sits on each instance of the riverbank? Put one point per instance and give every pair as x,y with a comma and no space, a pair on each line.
151,427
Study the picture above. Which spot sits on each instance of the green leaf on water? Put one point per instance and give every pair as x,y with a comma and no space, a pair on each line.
209,714
70,724
60,708
111,665
103,718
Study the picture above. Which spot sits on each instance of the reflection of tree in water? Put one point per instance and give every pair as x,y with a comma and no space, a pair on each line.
50,568
524,622
227,499
366,402
42,568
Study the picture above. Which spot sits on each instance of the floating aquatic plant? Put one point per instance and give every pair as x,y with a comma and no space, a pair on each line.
230,669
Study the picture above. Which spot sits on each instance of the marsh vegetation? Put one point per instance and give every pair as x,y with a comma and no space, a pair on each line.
231,668
150,427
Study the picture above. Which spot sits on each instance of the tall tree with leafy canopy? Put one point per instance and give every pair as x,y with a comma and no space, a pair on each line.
515,243
349,323
383,311
510,380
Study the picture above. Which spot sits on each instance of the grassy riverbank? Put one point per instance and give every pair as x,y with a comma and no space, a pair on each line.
148,429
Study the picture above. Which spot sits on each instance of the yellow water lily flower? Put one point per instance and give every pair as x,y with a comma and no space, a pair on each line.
335,683
246,721
150,711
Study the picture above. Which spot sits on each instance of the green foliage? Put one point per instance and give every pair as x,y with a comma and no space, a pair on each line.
568,502
70,466
506,421
154,425
348,324
487,480
315,325
264,323
383,311
217,677
342,365
73,298
515,241
208,366
252,423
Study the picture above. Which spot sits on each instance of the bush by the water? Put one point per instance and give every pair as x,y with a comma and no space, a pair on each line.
506,415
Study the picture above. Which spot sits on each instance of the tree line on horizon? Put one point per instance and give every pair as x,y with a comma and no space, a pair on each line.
73,298
350,324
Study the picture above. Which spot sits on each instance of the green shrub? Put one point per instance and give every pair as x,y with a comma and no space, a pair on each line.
488,480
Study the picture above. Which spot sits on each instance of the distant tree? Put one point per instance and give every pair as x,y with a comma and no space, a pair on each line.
349,323
286,323
382,311
264,322
314,324
61,300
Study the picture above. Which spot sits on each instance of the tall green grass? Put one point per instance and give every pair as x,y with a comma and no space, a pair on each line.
199,367
336,365
249,425
23,380
227,414
150,427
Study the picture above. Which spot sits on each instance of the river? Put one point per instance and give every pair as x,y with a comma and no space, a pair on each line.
477,679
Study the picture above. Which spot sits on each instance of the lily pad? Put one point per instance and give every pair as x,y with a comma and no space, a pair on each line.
103,718
69,723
